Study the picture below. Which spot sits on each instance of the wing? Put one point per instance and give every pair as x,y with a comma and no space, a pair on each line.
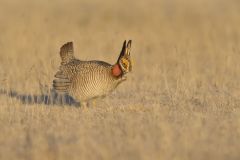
64,76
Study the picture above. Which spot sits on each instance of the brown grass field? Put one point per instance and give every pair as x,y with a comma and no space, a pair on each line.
182,100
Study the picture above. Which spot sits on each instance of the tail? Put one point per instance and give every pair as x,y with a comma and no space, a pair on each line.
62,83
67,53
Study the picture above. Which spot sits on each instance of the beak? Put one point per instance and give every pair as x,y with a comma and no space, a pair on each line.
124,78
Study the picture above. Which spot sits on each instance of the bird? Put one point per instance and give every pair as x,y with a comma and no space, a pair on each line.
88,80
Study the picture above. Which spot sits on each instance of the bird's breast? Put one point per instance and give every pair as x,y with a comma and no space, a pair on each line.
94,83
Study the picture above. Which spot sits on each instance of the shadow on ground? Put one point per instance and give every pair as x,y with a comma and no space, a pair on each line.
50,98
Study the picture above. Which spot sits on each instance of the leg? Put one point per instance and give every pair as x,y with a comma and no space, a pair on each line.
92,102
83,104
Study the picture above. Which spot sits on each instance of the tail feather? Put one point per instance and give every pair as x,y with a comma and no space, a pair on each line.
62,82
67,53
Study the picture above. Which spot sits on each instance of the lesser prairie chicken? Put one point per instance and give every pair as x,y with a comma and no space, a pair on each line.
86,80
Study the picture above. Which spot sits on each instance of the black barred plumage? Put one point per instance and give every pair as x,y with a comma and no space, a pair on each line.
85,80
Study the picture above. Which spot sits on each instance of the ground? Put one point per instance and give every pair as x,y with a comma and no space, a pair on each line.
180,102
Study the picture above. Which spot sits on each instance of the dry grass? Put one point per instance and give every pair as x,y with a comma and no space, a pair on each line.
181,102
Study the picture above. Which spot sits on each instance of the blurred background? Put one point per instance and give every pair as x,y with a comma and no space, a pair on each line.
176,35
196,35
180,102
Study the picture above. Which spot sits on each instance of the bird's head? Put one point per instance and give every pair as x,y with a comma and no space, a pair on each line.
124,62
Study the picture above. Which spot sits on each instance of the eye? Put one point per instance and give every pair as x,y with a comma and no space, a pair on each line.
125,63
